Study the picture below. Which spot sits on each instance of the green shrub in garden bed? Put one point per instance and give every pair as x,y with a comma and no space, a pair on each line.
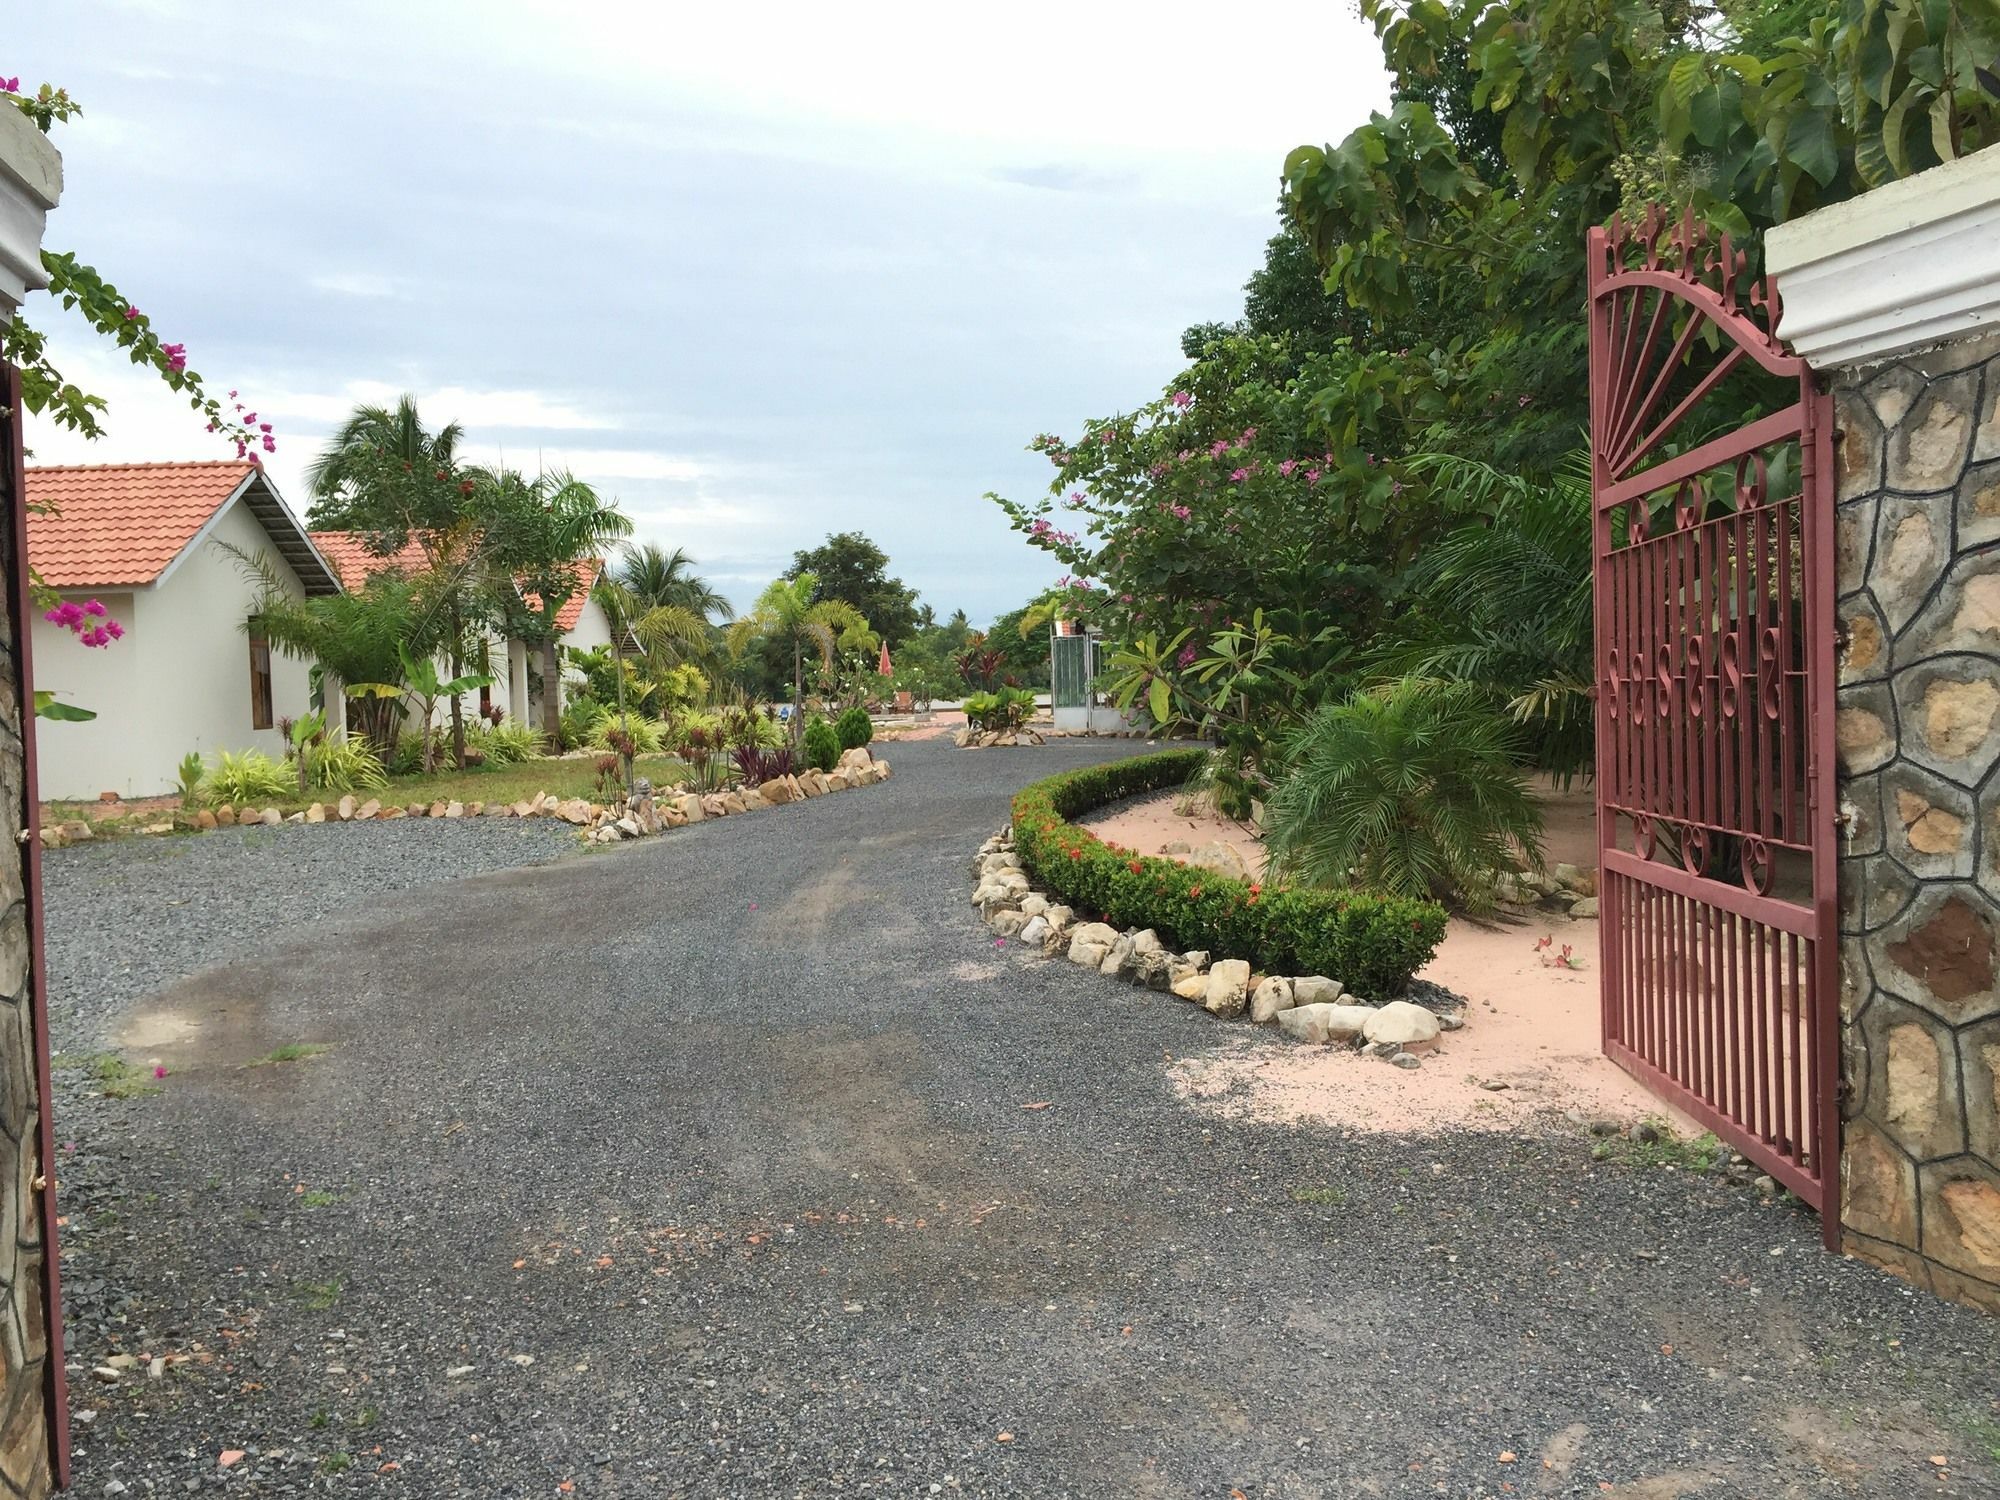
1372,944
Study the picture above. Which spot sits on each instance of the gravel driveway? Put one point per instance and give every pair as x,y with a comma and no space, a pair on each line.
701,1167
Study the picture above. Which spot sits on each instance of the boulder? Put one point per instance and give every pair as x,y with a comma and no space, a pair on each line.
204,820
270,817
1034,904
732,802
1059,917
1153,969
1007,923
1191,986
812,783
1401,1024
474,809
858,756
1145,940
775,793
346,808
1323,1021
1034,929
1585,907
690,806
395,812
1100,933
316,813
629,826
525,809
1228,989
158,828
1568,876
370,809
881,770
1118,958
712,806
1269,998
1223,859
52,836
76,831
225,816
454,809
1313,989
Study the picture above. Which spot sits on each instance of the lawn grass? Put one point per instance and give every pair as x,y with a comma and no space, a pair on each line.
115,1078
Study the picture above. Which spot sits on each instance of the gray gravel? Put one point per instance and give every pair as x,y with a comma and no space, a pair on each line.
701,1168
128,915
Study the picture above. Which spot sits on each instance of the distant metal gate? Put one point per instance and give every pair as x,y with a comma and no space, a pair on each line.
1069,671
1711,472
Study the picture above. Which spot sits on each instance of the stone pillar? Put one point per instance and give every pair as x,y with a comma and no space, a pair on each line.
31,1392
1896,296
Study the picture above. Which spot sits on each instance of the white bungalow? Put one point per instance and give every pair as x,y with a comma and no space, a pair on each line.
142,540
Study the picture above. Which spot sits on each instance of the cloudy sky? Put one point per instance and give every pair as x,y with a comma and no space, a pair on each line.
761,271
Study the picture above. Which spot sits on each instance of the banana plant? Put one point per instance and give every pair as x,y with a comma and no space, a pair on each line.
421,690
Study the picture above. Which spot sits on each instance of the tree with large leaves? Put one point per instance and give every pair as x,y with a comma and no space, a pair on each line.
849,567
655,576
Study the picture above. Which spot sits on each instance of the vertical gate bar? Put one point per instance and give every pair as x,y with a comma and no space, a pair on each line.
55,1380
1765,1132
1818,524
1795,1034
1732,924
1788,645
1745,706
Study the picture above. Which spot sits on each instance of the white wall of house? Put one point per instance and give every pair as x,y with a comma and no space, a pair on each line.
178,681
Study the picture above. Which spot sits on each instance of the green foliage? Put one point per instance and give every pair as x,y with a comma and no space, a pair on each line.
47,706
1412,789
821,744
850,568
189,777
1371,943
855,728
240,776
507,743
644,733
343,764
1006,710
1506,604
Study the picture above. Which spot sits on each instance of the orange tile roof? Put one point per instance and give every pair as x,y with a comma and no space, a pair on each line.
349,554
586,580
121,524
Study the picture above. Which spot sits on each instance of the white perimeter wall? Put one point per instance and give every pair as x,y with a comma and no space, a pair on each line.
178,681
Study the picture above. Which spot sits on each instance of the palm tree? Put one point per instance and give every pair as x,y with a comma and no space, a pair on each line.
655,576
786,612
386,476
548,530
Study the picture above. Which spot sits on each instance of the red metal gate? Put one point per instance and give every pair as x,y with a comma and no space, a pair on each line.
1711,473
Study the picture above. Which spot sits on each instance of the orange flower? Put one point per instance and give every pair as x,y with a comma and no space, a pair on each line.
1134,866
1194,893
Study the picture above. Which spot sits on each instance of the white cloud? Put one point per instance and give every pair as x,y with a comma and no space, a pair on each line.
354,284
521,411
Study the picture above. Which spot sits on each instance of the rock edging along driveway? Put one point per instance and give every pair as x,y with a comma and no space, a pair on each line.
598,822
1308,1008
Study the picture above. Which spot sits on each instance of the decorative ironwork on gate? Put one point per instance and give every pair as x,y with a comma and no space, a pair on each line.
1711,473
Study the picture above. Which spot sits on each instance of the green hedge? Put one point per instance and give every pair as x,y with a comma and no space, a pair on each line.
1372,944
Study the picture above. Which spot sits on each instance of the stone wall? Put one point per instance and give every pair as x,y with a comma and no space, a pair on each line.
24,1427
1919,737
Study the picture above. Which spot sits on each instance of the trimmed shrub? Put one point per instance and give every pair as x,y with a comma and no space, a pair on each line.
1371,943
854,727
1006,710
822,744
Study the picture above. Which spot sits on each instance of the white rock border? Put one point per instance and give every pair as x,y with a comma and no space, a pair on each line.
595,822
1309,1008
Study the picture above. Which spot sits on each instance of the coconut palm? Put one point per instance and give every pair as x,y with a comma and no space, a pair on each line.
655,576
787,613
547,533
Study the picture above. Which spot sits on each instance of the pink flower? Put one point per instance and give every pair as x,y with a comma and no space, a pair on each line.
1312,476
10,85
94,608
176,355
1237,476
1287,466
159,1072
1249,434
270,443
249,419
113,629
1524,400
1182,398
1219,447
1186,658
1181,512
131,313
